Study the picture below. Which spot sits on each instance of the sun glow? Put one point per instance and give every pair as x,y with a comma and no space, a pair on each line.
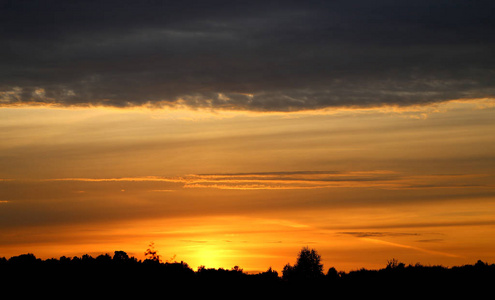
209,256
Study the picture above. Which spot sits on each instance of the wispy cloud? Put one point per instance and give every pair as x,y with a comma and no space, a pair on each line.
120,179
376,241
430,240
265,180
383,179
423,224
363,234
290,180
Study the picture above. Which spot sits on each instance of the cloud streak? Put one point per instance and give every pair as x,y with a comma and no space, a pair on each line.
376,241
255,55
366,234
383,179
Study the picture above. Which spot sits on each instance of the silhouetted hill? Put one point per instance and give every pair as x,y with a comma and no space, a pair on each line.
121,275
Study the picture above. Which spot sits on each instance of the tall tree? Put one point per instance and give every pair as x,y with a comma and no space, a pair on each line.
308,266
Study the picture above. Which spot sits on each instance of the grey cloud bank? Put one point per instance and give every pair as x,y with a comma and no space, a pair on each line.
246,55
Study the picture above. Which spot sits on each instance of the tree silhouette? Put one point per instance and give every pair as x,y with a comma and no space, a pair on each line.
332,274
120,256
269,274
122,275
307,267
237,269
151,254
394,264
288,272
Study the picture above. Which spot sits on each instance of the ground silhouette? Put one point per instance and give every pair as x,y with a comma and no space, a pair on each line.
121,275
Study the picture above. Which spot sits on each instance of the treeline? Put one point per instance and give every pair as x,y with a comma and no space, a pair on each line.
121,274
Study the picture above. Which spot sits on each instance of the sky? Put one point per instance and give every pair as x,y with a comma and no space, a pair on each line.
237,132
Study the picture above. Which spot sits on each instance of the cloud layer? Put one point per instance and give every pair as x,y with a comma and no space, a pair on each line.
245,55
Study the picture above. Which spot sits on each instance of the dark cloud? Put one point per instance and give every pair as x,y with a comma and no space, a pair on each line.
253,55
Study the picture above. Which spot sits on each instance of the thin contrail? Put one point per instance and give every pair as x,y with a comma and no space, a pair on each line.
410,247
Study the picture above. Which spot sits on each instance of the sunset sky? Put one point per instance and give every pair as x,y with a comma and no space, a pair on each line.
237,132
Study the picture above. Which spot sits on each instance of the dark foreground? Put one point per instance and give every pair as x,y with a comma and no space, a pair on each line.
121,276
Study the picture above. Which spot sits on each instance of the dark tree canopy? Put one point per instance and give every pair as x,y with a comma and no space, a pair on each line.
308,266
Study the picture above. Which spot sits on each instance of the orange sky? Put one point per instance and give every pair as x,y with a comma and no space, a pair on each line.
224,188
